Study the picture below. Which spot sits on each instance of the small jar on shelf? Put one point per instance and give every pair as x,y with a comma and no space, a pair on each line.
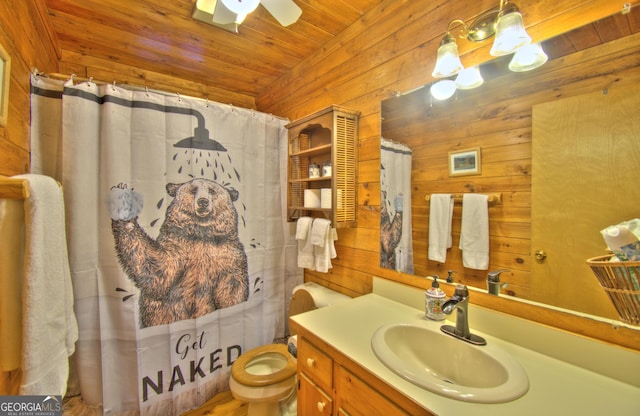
314,170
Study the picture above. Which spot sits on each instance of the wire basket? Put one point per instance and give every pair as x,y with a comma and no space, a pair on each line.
621,282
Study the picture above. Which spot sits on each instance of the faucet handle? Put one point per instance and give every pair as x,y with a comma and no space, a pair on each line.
461,291
494,276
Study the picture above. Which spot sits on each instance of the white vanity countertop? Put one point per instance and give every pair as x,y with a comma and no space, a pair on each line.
555,387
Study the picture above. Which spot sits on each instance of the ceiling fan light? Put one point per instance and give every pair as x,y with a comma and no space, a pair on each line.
528,57
240,18
510,34
447,61
241,7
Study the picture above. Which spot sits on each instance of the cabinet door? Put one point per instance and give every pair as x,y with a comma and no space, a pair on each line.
356,398
312,401
315,364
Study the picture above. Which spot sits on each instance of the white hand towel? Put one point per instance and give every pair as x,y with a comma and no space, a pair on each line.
49,324
474,235
305,248
326,251
440,215
302,227
319,231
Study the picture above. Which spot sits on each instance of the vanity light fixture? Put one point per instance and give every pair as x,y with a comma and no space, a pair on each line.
448,60
528,57
505,22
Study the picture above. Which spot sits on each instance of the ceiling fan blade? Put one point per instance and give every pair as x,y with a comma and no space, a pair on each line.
286,12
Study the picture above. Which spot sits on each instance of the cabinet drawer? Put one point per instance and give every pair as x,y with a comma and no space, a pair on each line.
316,364
312,401
356,398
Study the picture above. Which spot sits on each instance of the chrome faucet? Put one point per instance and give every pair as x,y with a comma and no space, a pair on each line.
460,302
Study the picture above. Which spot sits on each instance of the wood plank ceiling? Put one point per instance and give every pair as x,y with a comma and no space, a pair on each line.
161,36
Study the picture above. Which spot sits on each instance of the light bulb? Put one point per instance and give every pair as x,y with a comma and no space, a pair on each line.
469,78
528,57
242,7
443,89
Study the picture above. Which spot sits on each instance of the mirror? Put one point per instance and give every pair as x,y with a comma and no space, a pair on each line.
494,123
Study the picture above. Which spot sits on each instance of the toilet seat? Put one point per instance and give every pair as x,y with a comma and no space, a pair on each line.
241,376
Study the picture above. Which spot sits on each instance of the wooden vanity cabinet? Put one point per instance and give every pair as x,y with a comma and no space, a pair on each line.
329,383
315,380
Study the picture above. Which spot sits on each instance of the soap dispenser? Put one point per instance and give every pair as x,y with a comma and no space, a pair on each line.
450,276
493,282
434,299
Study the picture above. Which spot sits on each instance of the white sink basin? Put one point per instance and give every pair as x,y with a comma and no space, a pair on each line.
449,366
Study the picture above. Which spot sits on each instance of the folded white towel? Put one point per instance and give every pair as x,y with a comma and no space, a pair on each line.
440,215
302,227
49,324
474,235
326,251
319,230
305,248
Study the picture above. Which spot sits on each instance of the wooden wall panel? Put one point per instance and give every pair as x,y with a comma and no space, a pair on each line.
25,35
392,50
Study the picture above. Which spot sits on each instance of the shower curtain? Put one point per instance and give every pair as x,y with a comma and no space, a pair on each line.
396,241
180,252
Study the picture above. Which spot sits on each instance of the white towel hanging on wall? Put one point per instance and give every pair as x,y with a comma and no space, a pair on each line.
474,234
440,215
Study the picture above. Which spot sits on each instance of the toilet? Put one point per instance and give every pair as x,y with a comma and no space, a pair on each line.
265,377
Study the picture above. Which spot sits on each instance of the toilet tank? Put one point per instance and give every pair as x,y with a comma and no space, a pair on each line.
309,296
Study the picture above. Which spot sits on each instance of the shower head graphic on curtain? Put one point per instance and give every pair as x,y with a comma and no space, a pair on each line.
178,248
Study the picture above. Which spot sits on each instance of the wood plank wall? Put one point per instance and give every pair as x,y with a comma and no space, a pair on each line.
26,37
392,49
389,50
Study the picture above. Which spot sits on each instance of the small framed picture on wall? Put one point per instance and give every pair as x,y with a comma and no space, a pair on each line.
5,67
465,162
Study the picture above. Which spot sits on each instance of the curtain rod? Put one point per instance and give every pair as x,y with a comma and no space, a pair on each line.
132,87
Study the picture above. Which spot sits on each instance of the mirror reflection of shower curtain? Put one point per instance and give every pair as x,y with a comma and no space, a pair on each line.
170,292
396,241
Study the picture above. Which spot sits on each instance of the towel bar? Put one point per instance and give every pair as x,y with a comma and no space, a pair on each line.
492,199
12,188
